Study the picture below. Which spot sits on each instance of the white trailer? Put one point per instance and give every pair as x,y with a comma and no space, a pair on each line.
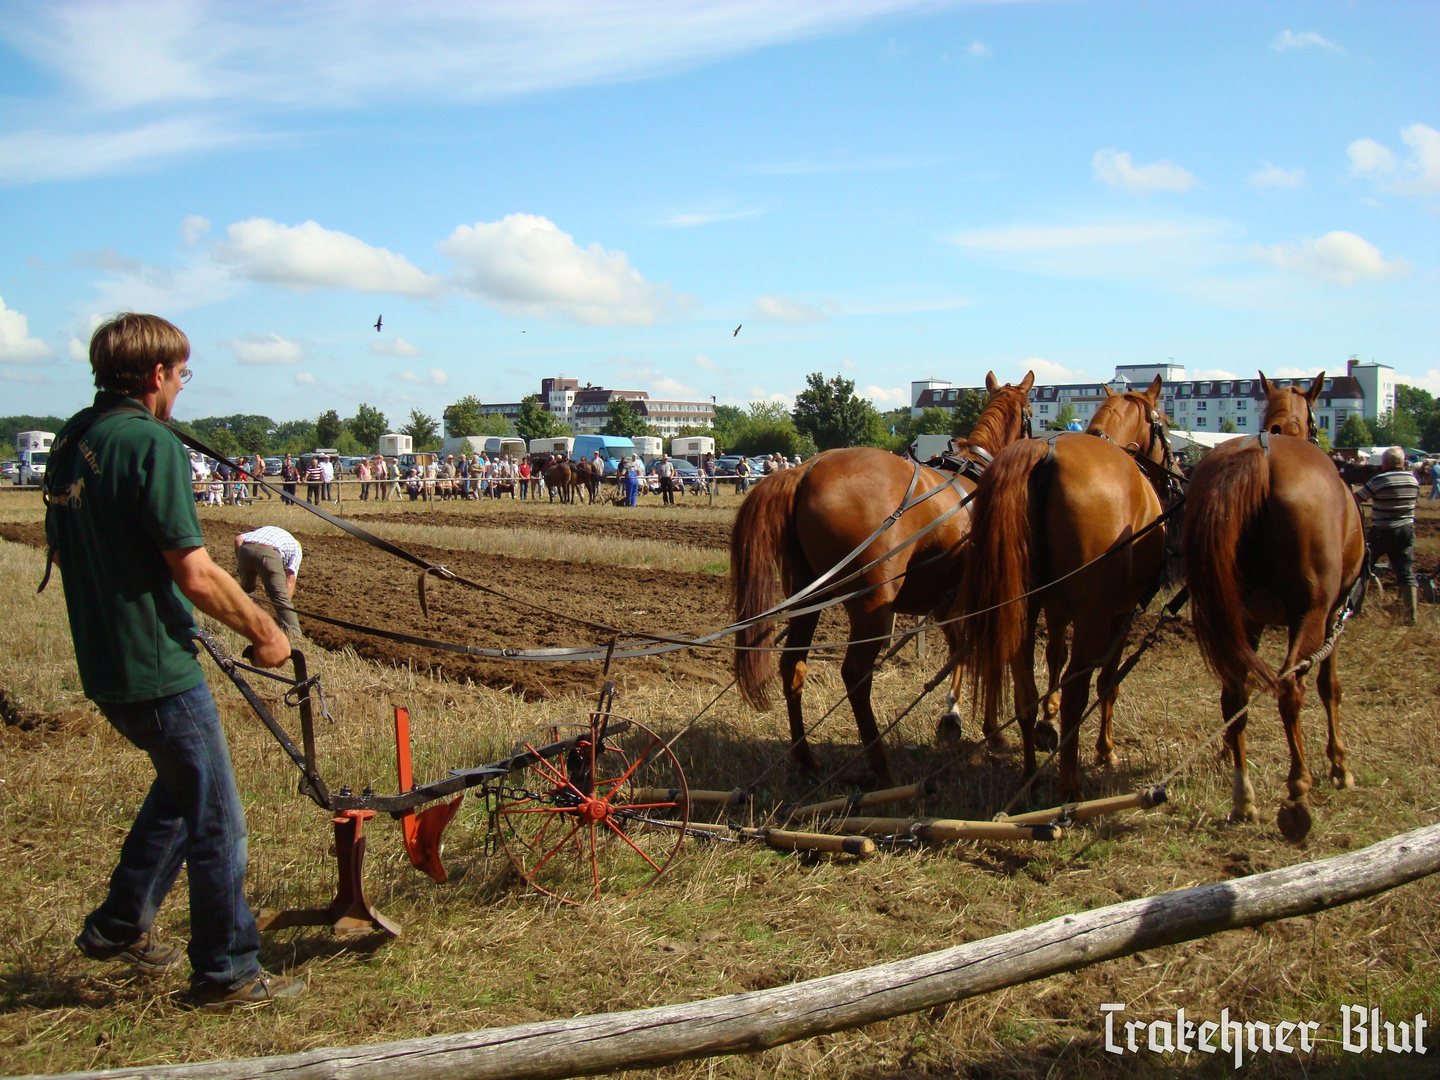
393,445
554,444
33,450
926,447
649,447
692,448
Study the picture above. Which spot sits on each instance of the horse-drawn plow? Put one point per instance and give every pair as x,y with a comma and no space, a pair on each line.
598,805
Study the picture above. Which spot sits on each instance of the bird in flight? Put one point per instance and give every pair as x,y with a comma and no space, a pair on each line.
737,329
378,320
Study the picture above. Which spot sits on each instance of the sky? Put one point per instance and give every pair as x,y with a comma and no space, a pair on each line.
887,190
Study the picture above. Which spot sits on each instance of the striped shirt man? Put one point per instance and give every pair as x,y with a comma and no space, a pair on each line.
1394,494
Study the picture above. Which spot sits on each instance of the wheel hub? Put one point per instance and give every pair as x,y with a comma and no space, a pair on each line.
593,811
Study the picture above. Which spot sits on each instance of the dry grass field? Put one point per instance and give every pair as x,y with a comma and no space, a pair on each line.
482,951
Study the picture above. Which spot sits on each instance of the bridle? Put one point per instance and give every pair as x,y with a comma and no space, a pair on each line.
1312,425
974,466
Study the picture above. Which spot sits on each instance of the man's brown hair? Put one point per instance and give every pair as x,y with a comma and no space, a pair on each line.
126,349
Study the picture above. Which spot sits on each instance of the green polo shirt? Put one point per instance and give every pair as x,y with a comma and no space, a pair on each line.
122,498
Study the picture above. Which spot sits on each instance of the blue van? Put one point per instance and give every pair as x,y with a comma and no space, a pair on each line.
613,449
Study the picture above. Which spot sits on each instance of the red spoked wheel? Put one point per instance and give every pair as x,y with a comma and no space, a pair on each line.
592,808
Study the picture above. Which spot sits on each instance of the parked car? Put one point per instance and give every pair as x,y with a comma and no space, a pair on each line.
8,469
725,466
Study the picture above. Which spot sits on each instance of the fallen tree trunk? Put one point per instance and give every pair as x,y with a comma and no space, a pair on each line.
745,1023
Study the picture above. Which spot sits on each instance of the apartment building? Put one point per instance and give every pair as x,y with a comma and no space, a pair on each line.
1366,388
586,408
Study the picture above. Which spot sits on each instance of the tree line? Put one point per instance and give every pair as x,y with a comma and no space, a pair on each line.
826,414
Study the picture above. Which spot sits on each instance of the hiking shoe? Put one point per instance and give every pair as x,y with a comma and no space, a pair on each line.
261,990
145,954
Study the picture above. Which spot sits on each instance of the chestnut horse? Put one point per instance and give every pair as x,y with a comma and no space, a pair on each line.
1272,538
797,524
1044,510
1290,410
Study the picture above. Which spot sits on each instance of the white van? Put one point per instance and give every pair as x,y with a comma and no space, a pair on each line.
489,446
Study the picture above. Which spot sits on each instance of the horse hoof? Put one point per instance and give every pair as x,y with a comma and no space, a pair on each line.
1344,779
1294,820
948,733
1046,738
1107,761
1247,816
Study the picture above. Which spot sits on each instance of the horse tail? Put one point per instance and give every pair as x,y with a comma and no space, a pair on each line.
764,552
1227,493
998,571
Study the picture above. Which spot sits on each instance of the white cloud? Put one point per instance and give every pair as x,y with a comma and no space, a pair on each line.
1051,237
28,156
398,347
16,344
23,375
1417,175
1116,168
135,285
304,378
1429,381
77,350
206,61
978,48
309,256
704,363
193,226
264,349
685,221
782,309
434,377
1210,373
525,265
1339,256
1288,40
1274,178
891,397
1047,371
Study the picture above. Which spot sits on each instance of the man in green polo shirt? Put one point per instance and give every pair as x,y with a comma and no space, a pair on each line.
122,528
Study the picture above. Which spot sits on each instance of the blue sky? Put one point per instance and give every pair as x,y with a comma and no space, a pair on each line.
887,190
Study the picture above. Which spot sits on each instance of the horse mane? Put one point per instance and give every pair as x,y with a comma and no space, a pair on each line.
1002,415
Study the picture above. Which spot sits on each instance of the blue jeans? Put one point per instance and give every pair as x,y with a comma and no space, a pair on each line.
191,816
632,491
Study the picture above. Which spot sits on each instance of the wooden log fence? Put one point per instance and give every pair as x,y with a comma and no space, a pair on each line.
746,1023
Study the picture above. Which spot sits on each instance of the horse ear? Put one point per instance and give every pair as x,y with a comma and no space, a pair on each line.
1110,393
990,383
1264,385
1316,387
1155,386
1028,381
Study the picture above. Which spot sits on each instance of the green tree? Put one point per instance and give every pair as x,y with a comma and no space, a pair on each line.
1424,410
931,421
367,425
1227,426
624,420
423,430
1397,428
253,438
729,422
1062,418
1354,432
328,427
967,411
10,426
831,415
293,437
223,441
768,429
536,423
465,417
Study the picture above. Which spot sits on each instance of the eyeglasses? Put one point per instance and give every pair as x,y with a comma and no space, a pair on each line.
184,375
